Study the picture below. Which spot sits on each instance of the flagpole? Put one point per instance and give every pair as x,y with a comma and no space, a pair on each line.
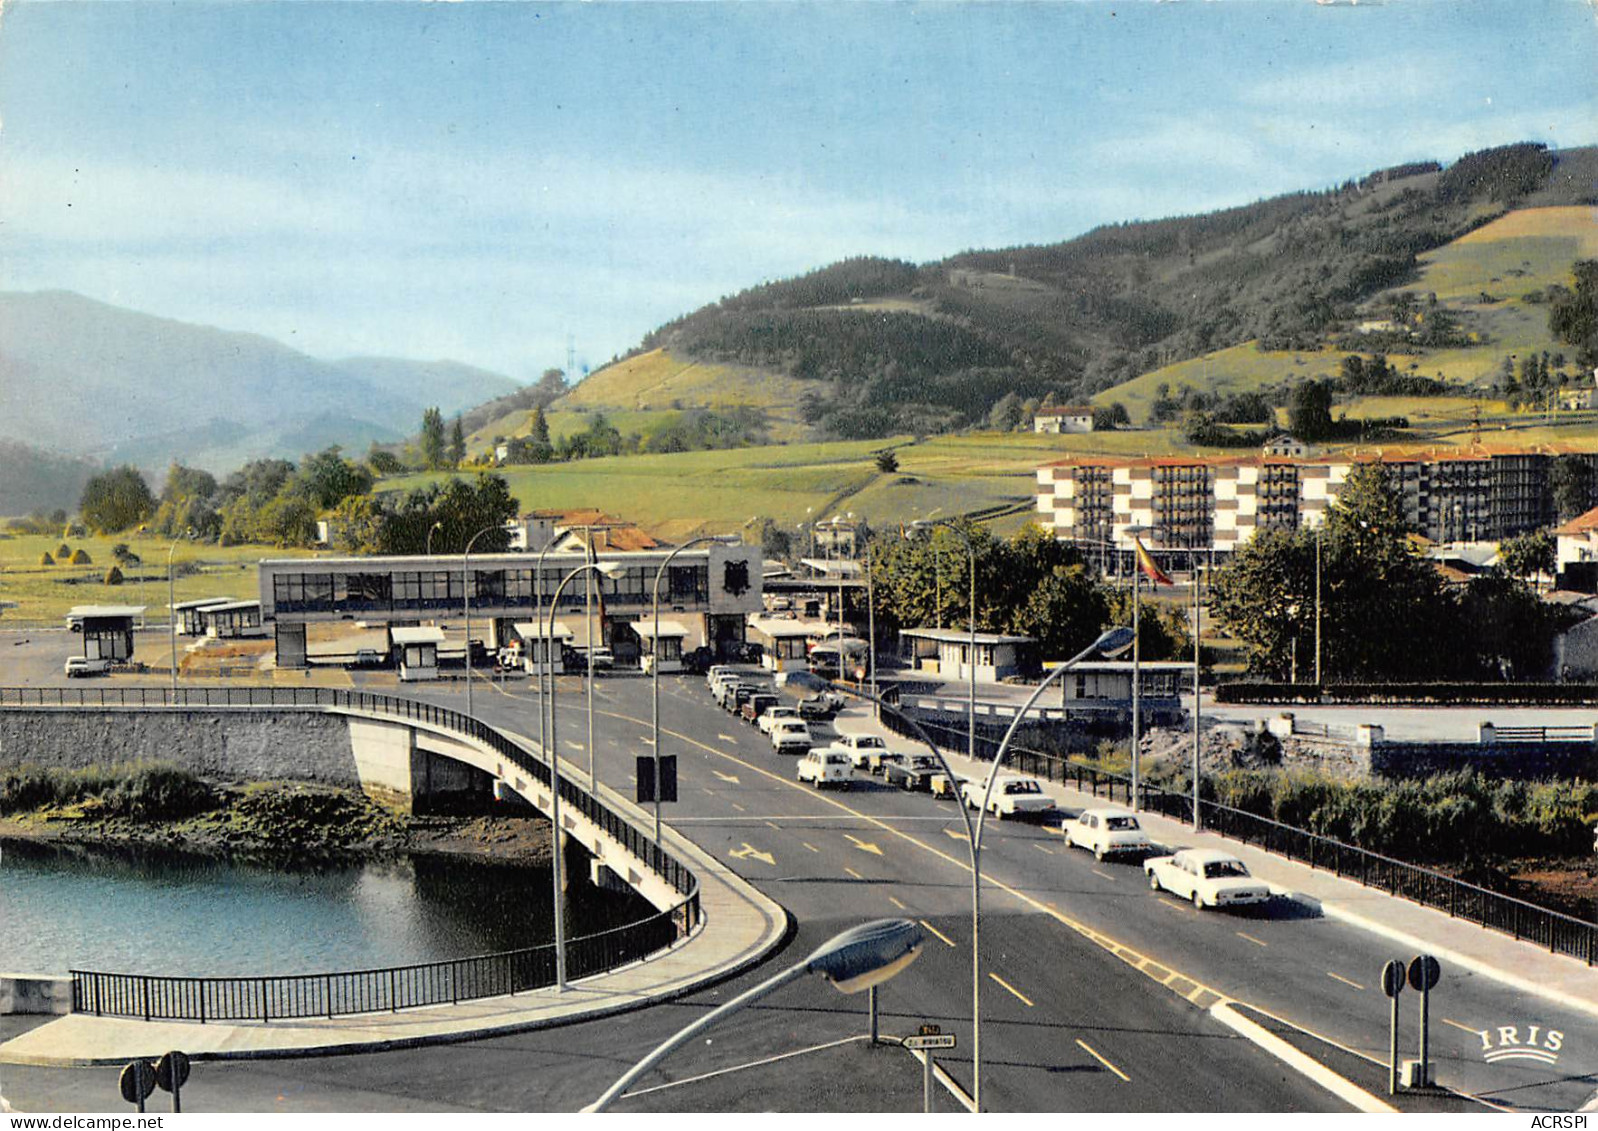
1137,649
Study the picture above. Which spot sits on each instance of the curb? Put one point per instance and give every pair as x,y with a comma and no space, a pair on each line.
1305,1065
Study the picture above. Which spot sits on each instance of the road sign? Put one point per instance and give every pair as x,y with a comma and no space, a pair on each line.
137,1082
929,1030
934,1041
172,1071
1424,972
1393,978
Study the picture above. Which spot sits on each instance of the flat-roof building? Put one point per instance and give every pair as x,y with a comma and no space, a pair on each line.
997,655
107,630
187,614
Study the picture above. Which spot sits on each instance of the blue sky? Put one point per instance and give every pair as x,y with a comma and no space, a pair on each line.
481,181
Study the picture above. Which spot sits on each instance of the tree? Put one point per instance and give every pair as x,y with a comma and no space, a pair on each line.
45,559
1572,486
258,481
1310,414
775,542
887,461
81,557
1107,418
457,443
382,461
1005,416
187,483
288,520
432,439
327,478
1528,554
540,448
1573,316
116,500
551,386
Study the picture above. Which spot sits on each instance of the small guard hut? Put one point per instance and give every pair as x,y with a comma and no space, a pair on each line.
418,647
107,630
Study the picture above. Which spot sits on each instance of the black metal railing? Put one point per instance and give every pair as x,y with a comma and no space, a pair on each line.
434,983
1560,933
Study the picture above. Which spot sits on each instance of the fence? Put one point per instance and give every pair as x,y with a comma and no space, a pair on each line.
1542,734
1358,694
1560,933
434,983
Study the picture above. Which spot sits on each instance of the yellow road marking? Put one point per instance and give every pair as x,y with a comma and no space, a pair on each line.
1042,849
1175,906
955,833
773,825
747,852
810,846
1251,938
863,846
739,807
1106,875
1094,1053
853,873
897,904
1349,982
707,792
731,779
937,932
1462,1028
1011,988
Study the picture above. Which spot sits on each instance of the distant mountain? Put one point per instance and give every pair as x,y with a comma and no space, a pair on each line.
885,346
35,480
86,378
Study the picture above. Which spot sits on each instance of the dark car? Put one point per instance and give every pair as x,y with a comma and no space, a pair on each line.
741,694
756,706
817,707
912,771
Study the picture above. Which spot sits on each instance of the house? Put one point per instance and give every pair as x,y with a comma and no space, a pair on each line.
1108,683
418,651
561,531
1286,446
1071,419
947,651
107,630
1576,552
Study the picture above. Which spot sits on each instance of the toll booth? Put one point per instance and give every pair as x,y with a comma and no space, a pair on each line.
417,648
672,635
187,614
532,645
107,630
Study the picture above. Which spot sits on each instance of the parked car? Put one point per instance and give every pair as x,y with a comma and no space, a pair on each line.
791,736
825,767
1012,797
371,658
941,786
859,747
604,659
817,708
773,715
741,693
85,666
1207,876
1107,832
716,673
757,705
912,771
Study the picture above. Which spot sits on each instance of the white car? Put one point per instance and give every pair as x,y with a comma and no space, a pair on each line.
1107,832
825,767
85,665
1207,876
860,748
1012,797
772,715
790,736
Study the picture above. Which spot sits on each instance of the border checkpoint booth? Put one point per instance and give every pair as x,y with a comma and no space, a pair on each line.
187,613
672,635
533,645
107,630
231,620
417,648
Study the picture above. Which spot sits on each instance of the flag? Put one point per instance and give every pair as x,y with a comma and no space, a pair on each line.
1145,562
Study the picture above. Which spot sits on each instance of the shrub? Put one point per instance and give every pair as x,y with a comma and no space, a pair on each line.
144,792
81,557
113,576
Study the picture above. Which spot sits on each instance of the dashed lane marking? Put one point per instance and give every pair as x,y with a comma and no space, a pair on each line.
1106,875
1011,988
1094,1053
730,779
810,846
728,738
1175,906
1350,982
1251,938
773,825
947,940
1462,1028
1044,850
897,904
853,873
739,807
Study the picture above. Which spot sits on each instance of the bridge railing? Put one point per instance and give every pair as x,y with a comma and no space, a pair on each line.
1560,933
329,994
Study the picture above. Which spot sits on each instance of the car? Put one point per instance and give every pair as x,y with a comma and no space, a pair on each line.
825,767
1107,832
1011,797
741,693
757,705
371,658
941,786
818,707
859,747
912,771
604,659
772,714
791,736
1207,876
87,665
716,673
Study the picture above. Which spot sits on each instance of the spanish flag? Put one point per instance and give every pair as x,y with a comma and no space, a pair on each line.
1145,562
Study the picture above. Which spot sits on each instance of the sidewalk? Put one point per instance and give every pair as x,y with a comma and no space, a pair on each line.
740,927
1521,965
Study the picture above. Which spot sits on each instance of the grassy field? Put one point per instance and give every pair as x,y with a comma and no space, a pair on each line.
43,594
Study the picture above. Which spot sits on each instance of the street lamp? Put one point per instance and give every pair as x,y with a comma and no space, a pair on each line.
1136,532
172,610
654,657
466,595
971,658
608,569
858,959
436,526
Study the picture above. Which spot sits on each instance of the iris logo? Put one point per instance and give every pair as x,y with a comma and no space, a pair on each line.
1541,1046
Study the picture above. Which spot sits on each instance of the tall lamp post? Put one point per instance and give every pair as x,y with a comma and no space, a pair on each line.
466,595
172,610
429,543
860,958
538,624
609,569
971,657
654,658
1136,532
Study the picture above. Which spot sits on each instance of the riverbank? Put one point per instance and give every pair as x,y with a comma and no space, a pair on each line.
265,821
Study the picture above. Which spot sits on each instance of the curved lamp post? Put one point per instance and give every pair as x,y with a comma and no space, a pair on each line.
429,544
858,959
538,623
172,610
553,749
971,659
466,595
654,657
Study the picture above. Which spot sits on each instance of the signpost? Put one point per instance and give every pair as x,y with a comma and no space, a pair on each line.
930,1037
171,1073
137,1082
1424,972
1392,986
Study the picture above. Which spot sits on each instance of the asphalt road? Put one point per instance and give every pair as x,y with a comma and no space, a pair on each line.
1067,1025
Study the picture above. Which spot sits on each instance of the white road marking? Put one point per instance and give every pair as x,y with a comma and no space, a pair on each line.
730,778
1042,849
751,1064
739,807
810,846
853,873
1347,981
1106,875
936,932
748,852
897,904
1014,991
1462,1028
1094,1053
1251,938
727,738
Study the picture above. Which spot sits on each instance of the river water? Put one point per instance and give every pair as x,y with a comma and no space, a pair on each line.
152,911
